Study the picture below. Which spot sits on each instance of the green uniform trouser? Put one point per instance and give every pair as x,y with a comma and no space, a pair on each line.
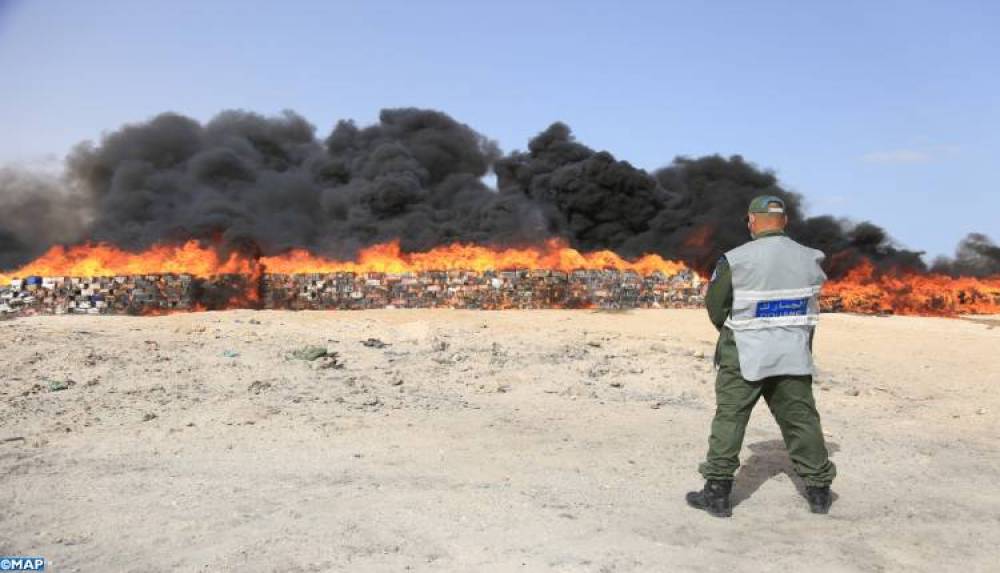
791,402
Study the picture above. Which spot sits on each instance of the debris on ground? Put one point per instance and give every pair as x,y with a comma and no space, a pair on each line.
599,369
58,385
309,353
374,343
498,356
330,360
258,386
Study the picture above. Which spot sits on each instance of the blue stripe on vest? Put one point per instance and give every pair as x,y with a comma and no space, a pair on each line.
784,307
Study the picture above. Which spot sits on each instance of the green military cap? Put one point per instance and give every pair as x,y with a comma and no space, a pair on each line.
762,204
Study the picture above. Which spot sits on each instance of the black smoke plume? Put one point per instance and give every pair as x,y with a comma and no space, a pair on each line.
263,185
37,210
270,184
976,256
692,210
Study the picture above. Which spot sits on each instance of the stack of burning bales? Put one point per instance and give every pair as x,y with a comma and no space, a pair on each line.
920,298
486,290
524,289
131,294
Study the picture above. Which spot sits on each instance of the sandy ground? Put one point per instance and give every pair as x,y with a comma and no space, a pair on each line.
480,441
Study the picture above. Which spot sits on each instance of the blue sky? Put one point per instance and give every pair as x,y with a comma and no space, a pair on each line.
886,111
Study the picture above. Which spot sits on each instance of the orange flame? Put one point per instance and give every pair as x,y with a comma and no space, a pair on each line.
103,260
191,258
864,290
388,258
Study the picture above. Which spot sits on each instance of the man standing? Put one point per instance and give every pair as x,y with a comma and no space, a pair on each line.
764,299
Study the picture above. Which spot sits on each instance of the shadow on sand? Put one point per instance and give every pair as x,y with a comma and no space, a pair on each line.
767,460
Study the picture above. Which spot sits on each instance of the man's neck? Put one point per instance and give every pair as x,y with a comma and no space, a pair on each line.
768,233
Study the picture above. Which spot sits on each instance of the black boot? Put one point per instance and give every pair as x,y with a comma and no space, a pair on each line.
819,498
714,498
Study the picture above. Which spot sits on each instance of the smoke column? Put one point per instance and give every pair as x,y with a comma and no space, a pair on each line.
976,256
36,211
263,185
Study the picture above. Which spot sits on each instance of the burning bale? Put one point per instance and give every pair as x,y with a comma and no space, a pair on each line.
603,281
132,294
151,294
481,290
866,291
191,276
397,213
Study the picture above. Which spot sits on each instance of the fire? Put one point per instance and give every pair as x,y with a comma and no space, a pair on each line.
388,258
864,290
191,258
101,260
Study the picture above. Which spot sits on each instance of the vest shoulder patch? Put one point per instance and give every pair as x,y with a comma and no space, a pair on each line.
715,272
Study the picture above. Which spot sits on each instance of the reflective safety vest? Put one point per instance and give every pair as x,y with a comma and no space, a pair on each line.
776,284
